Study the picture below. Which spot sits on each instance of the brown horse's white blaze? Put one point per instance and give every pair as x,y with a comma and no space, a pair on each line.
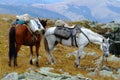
22,35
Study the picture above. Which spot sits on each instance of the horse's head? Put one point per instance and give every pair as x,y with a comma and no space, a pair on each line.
105,46
37,26
43,22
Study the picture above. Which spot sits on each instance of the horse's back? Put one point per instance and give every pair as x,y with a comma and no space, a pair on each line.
20,28
21,32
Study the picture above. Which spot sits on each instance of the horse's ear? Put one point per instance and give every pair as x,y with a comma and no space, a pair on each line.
39,19
47,20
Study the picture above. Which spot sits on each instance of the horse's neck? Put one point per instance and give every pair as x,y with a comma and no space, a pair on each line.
94,37
97,39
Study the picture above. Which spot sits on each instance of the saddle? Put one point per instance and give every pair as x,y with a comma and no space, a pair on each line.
66,32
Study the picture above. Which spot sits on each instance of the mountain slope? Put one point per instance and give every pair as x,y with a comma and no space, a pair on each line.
36,12
102,10
95,10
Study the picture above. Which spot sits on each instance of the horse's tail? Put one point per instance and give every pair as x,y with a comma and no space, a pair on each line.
46,44
12,49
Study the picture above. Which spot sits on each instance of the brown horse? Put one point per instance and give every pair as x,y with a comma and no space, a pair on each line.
19,35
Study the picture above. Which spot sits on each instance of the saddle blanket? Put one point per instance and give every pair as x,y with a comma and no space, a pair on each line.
66,32
63,32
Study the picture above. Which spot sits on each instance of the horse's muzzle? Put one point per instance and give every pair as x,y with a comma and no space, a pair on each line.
106,55
43,32
37,32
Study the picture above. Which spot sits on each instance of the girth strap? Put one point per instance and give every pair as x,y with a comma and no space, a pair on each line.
73,41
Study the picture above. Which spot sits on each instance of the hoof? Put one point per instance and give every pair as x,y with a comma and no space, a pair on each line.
52,63
15,65
9,64
77,65
37,64
31,62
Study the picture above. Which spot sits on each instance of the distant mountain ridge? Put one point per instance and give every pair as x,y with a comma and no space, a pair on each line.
33,11
95,10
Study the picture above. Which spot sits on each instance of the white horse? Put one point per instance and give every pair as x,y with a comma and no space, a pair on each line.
82,38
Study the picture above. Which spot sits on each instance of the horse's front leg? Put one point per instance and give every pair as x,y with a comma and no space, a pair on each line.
37,54
78,57
77,61
31,54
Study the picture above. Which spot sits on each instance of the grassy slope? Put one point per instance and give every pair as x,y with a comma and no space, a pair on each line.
66,64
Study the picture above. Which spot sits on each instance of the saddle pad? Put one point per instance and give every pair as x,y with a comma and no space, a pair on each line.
20,22
63,32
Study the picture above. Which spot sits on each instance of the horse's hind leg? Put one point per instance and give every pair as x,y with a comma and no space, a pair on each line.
37,54
49,46
50,55
51,58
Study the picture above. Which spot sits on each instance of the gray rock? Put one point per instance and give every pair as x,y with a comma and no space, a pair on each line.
92,74
113,58
118,71
43,74
11,76
46,71
106,73
116,77
74,53
106,68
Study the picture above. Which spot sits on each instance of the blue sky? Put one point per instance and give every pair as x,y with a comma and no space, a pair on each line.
54,1
51,1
